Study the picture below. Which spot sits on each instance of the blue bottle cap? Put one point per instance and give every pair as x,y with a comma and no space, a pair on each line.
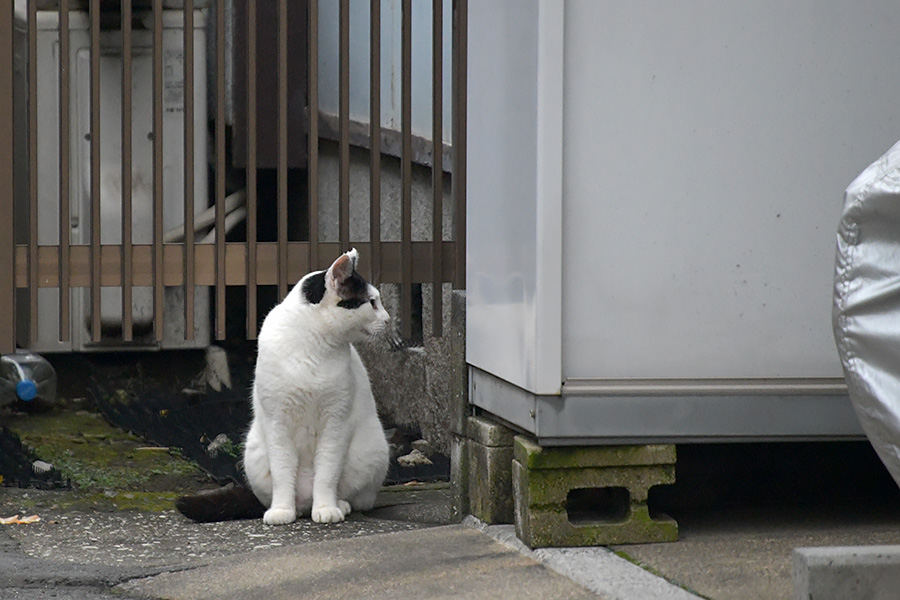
26,390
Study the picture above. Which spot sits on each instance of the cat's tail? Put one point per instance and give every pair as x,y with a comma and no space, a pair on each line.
226,503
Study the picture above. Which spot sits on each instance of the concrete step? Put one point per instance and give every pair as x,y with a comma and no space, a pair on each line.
840,572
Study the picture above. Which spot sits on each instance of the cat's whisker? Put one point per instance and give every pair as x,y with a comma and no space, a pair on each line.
398,344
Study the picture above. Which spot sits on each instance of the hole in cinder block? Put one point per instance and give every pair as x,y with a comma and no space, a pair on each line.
598,505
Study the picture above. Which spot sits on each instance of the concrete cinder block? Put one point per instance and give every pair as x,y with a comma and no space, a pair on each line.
534,456
490,483
836,573
622,477
459,376
459,477
490,471
487,433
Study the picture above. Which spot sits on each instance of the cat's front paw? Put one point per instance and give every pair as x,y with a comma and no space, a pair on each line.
327,514
279,516
345,507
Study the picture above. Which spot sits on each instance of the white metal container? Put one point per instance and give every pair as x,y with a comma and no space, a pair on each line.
653,194
111,171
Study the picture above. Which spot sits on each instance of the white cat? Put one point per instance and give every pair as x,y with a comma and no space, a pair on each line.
315,444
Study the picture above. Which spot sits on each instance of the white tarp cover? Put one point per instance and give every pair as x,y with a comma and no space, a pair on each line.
867,303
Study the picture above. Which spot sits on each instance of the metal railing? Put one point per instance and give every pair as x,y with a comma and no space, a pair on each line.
28,264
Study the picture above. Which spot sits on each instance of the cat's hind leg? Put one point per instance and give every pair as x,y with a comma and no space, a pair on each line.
367,465
256,465
345,507
365,498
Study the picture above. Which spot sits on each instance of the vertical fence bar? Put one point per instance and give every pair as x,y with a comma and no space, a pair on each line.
127,249
158,289
375,142
7,241
188,169
251,170
33,171
460,41
282,150
437,168
95,171
313,102
344,100
65,226
406,171
220,170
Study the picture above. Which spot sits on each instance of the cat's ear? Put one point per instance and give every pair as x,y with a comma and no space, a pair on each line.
353,255
343,267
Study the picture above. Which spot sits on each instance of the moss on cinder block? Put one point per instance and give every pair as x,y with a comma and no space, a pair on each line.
549,486
534,456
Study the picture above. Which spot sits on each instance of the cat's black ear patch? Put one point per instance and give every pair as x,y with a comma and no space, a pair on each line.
314,288
354,287
353,291
352,303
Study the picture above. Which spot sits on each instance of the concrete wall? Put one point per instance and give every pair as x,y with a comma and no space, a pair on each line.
390,63
412,386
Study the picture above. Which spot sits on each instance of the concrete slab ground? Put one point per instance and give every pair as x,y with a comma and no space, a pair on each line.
405,549
597,568
444,562
746,555
153,540
86,544
838,572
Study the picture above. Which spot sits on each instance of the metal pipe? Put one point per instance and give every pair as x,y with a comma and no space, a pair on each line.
205,219
95,171
406,171
460,40
127,248
437,168
313,127
375,142
251,171
344,117
7,152
158,289
220,171
282,150
65,225
189,266
33,168
231,219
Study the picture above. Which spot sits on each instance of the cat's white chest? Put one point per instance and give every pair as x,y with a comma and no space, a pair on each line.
297,371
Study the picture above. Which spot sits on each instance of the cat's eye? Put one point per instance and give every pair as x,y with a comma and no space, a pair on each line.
372,302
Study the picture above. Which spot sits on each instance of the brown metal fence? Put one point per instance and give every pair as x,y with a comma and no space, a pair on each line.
71,266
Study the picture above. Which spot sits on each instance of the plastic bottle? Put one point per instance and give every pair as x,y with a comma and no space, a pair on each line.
27,377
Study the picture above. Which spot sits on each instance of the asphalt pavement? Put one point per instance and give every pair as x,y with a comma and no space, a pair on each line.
401,549
406,548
